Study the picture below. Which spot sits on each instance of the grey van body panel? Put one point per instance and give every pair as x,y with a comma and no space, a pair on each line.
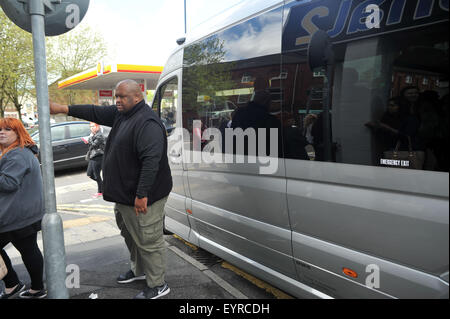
373,215
260,242
395,280
353,216
265,273
244,211
176,211
175,62
383,178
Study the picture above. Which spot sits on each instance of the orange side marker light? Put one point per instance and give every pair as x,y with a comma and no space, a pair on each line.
349,272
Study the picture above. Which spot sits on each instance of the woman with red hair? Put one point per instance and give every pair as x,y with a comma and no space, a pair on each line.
21,207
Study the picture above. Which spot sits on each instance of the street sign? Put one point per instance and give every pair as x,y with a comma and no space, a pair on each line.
105,93
61,16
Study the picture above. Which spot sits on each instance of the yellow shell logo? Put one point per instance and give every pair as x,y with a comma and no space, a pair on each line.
99,68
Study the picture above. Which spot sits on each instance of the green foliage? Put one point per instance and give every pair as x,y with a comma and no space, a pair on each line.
72,53
67,54
16,64
75,51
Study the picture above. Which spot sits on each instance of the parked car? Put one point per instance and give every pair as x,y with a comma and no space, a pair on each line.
69,150
29,121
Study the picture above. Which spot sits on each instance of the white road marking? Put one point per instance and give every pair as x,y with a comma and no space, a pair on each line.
75,187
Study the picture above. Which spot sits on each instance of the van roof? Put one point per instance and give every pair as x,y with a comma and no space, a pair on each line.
237,13
241,11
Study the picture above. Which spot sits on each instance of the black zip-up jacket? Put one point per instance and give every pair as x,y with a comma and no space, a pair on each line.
96,145
135,161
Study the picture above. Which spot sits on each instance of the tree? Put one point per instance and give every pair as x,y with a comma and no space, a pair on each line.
67,54
72,53
4,57
20,83
16,64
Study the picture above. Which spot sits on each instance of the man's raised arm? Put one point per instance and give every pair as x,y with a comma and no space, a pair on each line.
56,108
103,115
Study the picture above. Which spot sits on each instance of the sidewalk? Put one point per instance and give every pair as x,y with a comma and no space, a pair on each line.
94,246
100,266
101,261
197,290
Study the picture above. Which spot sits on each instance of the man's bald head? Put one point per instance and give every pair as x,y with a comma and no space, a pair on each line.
128,94
132,87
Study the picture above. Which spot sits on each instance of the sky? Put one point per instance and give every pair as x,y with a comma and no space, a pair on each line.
145,31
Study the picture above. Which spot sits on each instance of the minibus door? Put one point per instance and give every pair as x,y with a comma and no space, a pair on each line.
166,102
308,59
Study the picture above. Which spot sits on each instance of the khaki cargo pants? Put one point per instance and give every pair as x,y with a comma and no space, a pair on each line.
144,238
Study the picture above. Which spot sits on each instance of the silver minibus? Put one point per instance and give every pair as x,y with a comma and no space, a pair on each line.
309,142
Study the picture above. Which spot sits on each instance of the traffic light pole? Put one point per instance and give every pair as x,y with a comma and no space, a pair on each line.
52,230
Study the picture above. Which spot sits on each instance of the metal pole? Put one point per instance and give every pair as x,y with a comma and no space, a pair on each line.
326,117
327,138
52,230
185,30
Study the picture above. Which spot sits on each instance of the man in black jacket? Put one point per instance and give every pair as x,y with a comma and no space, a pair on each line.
137,178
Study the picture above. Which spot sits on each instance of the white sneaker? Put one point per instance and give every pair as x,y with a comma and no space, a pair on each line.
153,293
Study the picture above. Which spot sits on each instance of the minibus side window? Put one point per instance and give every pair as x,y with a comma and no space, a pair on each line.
231,80
389,101
166,102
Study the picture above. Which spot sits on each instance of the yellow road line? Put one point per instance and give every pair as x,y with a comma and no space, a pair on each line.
82,209
259,283
73,213
86,205
185,242
84,221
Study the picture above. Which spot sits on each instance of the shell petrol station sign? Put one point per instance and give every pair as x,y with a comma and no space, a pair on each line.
104,77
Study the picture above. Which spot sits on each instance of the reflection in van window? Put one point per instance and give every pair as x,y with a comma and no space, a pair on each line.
408,69
232,80
167,98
